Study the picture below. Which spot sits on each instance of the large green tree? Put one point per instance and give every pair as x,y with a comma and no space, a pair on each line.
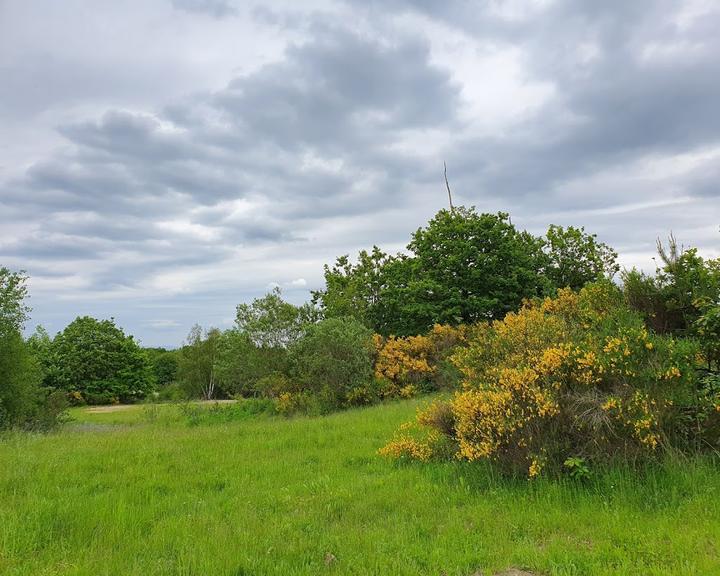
462,267
97,361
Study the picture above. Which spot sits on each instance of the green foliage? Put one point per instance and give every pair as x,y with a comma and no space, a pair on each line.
241,364
197,363
164,365
271,322
463,267
577,375
577,468
24,403
670,301
333,359
13,310
575,258
94,361
354,289
707,329
253,357
20,379
173,392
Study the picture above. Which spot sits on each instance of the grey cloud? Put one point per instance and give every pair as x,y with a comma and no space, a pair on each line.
194,204
216,8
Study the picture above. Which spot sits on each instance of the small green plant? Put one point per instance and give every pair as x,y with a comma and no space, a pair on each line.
577,468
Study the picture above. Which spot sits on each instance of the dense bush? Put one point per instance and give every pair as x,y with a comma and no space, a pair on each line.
95,362
333,362
576,376
406,366
242,365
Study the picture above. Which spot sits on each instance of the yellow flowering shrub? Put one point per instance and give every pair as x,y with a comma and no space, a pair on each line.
408,365
577,375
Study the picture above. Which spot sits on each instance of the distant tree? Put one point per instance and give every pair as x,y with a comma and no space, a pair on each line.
13,292
241,364
40,344
354,289
673,299
197,362
575,258
95,360
164,364
271,322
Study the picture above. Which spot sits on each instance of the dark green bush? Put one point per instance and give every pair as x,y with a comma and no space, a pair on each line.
332,360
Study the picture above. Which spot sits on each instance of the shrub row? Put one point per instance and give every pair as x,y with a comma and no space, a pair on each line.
574,378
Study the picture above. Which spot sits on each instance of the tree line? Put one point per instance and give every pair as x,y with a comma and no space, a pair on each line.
461,269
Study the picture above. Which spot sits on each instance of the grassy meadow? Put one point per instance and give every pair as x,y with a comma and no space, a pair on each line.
151,490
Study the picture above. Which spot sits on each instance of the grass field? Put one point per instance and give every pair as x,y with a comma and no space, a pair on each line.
142,492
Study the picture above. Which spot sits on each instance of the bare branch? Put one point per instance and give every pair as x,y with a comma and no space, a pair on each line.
447,185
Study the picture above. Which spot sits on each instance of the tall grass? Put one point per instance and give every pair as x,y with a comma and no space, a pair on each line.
147,491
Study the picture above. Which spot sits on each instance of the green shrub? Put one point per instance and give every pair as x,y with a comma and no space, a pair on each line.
173,392
671,301
577,376
198,414
407,365
332,360
23,402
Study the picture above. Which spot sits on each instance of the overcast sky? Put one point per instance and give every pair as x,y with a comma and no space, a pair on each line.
162,161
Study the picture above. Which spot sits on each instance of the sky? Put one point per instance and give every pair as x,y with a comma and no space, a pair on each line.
162,161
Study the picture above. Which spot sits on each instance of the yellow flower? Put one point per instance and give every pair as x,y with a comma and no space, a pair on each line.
535,468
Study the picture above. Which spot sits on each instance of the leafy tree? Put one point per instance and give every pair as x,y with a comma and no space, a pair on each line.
241,364
271,322
333,359
95,360
575,258
164,364
40,344
23,402
198,361
354,289
463,267
20,378
13,310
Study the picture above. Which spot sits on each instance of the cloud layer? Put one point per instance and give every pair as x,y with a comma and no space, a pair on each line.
163,162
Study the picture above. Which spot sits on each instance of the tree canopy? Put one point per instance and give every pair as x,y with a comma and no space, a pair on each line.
97,361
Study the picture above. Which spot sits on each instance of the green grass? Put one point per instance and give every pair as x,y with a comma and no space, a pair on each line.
142,492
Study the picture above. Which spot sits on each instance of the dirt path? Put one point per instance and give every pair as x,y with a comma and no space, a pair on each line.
122,407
